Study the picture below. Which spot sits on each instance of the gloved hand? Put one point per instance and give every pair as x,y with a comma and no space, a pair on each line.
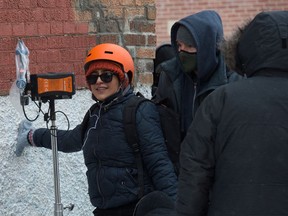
25,127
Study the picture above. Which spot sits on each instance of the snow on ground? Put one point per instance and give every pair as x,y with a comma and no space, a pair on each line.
27,182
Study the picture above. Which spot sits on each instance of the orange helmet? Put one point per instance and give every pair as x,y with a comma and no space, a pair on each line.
111,52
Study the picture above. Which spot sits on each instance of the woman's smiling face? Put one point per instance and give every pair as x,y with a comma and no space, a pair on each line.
103,84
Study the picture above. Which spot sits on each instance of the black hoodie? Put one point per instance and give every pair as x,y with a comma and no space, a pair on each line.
179,91
265,50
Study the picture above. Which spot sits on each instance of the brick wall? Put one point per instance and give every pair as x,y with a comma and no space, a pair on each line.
58,34
233,12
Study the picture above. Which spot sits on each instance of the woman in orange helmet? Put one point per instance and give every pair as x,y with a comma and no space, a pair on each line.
111,164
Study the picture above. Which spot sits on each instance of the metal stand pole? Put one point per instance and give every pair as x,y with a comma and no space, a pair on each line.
58,207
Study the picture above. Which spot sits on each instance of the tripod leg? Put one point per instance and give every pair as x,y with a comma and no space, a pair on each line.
58,207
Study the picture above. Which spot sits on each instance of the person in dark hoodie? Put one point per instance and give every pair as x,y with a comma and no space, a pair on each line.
163,53
198,68
235,154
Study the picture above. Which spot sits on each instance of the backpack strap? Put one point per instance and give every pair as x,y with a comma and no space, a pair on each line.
130,129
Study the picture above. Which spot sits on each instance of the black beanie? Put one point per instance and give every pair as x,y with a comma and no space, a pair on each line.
185,36
163,52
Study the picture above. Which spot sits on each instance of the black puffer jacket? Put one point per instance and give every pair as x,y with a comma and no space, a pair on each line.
110,161
235,155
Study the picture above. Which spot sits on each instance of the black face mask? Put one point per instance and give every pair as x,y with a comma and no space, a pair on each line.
188,61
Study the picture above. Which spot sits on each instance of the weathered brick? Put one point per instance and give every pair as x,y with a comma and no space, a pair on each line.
7,58
151,38
144,2
18,29
37,15
31,28
151,12
6,29
82,41
46,4
69,27
24,4
57,28
44,28
118,2
142,26
56,42
7,44
134,39
134,12
56,14
107,38
110,25
81,81
47,56
78,68
115,12
71,55
81,28
145,52
145,78
8,4
83,16
63,3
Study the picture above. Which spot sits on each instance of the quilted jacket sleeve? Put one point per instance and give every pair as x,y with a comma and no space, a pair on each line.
153,149
67,141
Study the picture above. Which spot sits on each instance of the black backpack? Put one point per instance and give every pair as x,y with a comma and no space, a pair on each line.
170,123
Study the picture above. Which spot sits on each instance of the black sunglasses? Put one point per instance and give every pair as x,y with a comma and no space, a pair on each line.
105,77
